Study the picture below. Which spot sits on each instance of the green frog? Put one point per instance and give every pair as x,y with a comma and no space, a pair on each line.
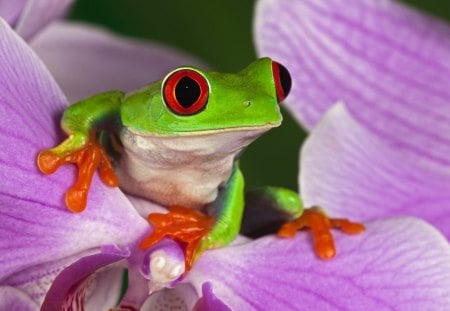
177,142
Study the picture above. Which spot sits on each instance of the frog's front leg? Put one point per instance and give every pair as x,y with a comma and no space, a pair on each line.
81,122
199,232
229,208
289,203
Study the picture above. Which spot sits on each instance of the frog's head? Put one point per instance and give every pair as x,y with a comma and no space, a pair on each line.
190,101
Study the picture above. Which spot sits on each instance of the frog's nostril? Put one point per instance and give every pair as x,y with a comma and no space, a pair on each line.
247,103
282,79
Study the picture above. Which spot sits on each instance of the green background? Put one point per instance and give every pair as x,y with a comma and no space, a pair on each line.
220,33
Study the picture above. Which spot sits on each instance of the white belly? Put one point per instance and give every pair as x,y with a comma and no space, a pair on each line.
180,170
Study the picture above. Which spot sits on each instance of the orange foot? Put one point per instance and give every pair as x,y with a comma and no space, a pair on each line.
320,226
182,224
88,159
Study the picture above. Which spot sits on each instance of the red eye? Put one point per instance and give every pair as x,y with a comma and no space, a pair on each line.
186,92
282,80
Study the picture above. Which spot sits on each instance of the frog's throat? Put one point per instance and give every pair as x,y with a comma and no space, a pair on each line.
180,170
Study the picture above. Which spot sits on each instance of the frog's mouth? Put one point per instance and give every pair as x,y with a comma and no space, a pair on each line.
254,129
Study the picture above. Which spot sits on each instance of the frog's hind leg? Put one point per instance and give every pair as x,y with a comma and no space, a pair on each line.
292,217
267,209
320,226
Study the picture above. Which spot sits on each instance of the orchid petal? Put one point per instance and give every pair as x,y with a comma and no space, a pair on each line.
349,172
104,289
400,264
389,63
209,301
72,285
38,13
182,297
11,10
86,60
37,229
36,280
13,299
144,207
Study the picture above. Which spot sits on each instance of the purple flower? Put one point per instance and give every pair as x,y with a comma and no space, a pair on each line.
38,238
385,150
56,259
28,16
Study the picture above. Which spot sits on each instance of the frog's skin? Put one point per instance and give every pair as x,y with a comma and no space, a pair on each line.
183,160
179,155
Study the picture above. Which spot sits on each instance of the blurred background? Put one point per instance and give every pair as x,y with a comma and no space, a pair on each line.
219,33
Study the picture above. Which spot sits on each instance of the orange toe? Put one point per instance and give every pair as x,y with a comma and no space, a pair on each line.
320,226
184,225
88,159
48,162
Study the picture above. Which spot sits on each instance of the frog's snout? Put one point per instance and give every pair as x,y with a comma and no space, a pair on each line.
282,79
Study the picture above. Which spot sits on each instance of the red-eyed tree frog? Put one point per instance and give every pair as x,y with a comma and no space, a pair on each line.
176,142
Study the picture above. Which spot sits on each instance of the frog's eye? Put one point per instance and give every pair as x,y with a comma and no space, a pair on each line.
186,92
282,80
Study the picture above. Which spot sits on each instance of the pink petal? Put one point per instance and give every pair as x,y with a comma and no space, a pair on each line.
10,10
390,64
14,299
86,60
38,13
144,207
74,284
104,289
352,173
182,297
401,264
209,301
37,230
35,281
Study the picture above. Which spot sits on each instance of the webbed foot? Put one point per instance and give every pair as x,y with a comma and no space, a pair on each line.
88,158
184,225
320,226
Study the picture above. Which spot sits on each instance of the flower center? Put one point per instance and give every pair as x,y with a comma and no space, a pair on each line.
163,265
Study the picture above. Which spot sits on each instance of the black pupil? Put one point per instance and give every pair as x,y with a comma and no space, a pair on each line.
187,91
285,79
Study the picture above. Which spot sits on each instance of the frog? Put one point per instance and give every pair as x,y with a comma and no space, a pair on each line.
177,143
